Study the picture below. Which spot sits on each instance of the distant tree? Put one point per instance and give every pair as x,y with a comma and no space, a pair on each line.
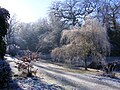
57,26
27,35
108,11
115,42
45,42
34,36
11,32
11,36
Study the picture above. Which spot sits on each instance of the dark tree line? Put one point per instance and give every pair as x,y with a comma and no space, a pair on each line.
5,71
4,16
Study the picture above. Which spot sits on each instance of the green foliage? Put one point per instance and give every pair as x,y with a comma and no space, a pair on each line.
4,16
5,70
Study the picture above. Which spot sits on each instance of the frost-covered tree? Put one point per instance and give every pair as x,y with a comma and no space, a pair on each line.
71,11
91,41
11,36
108,12
68,36
57,26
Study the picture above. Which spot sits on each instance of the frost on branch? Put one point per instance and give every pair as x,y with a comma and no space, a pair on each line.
25,64
91,41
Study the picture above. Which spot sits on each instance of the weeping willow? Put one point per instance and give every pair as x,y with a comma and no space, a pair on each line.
91,40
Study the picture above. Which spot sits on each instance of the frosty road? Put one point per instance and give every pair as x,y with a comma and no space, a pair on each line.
77,80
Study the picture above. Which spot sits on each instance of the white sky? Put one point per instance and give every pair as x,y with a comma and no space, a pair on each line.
27,10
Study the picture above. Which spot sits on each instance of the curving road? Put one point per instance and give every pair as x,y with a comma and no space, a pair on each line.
77,80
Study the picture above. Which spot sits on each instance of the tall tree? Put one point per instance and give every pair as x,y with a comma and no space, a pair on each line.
57,27
12,29
91,41
4,16
108,11
71,11
5,71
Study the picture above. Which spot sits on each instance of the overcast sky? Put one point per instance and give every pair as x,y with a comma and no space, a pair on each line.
27,10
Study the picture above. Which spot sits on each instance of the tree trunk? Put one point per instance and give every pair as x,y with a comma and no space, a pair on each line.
29,74
114,22
2,49
85,64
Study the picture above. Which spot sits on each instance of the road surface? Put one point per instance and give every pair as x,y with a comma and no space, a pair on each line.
77,80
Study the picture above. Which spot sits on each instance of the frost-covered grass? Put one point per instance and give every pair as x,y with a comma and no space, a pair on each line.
89,71
35,83
29,83
73,68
